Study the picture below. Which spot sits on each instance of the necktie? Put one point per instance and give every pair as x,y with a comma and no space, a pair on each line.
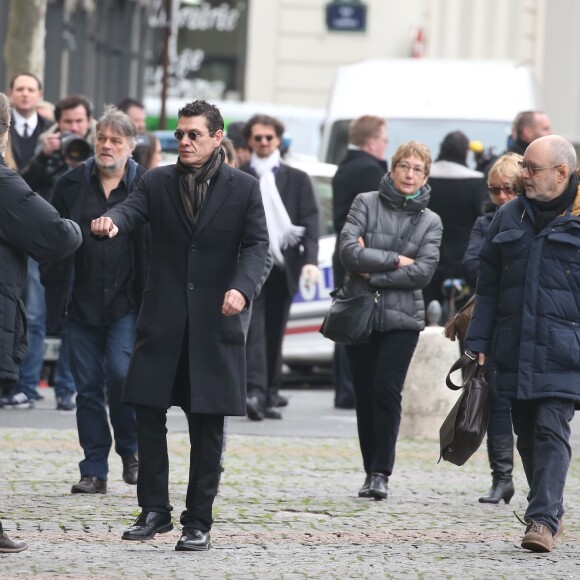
25,132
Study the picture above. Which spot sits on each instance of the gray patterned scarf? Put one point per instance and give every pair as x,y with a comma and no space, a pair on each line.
194,183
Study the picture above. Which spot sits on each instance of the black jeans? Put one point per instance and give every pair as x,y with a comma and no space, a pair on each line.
542,427
379,369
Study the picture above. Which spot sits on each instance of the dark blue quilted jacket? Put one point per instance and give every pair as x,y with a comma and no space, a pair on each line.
527,313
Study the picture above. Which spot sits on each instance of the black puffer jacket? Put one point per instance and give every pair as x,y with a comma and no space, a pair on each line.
28,226
391,225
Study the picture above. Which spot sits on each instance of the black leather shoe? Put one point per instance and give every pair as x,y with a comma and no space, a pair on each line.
193,540
254,409
364,491
378,486
147,525
89,484
278,400
130,469
9,546
272,413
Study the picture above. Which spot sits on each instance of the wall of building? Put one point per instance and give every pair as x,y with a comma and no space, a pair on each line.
292,58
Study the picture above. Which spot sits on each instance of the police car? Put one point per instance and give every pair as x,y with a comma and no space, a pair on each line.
304,347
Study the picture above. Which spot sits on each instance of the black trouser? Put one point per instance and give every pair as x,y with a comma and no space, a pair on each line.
500,415
379,369
206,438
343,386
542,427
265,335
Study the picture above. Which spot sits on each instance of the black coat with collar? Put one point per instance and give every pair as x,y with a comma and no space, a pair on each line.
28,226
300,202
69,194
357,173
190,271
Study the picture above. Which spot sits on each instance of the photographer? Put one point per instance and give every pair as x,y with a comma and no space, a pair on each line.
65,145
62,147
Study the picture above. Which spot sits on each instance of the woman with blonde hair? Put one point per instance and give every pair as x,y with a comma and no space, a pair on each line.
501,185
389,247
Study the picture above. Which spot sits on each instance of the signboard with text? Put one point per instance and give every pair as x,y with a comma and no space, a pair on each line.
346,17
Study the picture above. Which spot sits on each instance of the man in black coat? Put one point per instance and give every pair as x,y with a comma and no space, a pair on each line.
292,216
49,162
361,170
457,196
99,291
28,225
25,129
208,252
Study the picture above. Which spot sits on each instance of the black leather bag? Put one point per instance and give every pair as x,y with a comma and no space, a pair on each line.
464,428
349,320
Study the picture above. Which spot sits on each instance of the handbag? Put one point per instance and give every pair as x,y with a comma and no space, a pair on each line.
464,428
349,320
456,327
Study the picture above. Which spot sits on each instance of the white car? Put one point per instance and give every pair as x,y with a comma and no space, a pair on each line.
304,347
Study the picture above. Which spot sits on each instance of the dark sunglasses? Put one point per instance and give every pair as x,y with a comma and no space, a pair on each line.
191,135
259,138
496,190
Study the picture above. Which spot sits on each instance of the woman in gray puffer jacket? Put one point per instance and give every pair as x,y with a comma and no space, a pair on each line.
390,247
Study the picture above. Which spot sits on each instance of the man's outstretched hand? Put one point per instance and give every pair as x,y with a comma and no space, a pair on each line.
104,226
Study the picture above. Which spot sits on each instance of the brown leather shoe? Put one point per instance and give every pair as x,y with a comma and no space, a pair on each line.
561,528
130,469
538,537
8,546
89,484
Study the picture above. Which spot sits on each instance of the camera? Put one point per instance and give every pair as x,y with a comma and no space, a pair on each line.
74,147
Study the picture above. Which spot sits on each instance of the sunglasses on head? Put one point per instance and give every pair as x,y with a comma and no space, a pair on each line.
191,135
259,138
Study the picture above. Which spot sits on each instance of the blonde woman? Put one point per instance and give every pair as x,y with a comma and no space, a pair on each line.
500,439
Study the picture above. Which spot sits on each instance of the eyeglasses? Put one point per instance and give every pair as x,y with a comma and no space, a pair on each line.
507,189
405,168
531,168
260,138
191,135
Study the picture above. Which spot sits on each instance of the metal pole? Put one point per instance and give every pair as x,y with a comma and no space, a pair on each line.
166,38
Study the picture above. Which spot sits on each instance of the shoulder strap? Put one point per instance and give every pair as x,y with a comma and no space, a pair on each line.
467,361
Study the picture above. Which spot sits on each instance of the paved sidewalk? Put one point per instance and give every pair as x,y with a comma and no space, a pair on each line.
287,508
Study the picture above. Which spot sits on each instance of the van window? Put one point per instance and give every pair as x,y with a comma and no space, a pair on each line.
431,132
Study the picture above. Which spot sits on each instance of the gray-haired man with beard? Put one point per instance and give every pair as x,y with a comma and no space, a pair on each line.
99,289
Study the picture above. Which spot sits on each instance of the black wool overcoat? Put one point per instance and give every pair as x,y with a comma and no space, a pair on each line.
190,271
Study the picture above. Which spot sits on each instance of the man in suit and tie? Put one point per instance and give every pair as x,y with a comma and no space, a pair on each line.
209,245
27,125
293,227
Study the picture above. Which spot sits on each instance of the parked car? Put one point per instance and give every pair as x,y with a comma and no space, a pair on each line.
304,348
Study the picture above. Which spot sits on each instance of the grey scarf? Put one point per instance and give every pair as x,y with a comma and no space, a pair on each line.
193,183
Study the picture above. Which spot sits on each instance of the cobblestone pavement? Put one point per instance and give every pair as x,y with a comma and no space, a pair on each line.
287,508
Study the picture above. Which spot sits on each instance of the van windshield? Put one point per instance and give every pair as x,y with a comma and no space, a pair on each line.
492,134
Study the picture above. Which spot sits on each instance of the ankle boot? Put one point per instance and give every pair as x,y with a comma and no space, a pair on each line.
501,460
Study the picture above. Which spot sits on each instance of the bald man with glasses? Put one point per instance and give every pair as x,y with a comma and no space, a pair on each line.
526,318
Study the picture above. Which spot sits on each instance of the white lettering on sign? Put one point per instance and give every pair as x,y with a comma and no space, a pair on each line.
222,18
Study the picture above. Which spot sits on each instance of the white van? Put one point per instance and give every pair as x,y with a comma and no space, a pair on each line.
424,99
302,124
